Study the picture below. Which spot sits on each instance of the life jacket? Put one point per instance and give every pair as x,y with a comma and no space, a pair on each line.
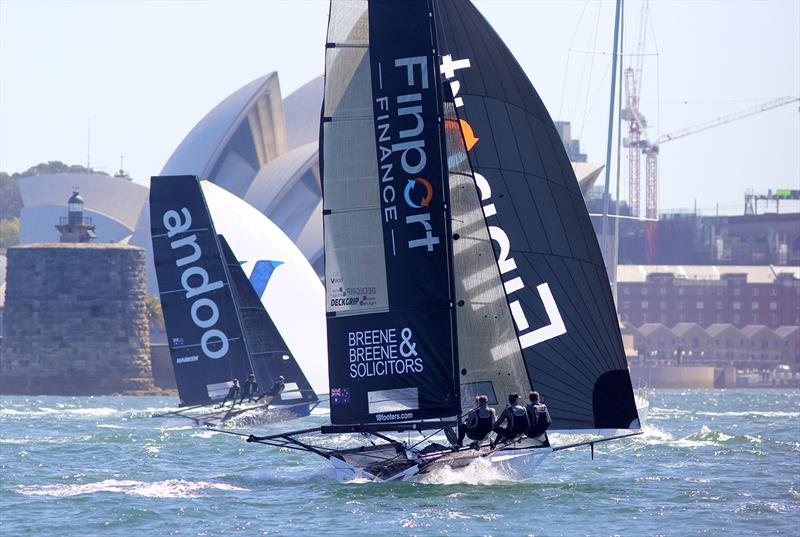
519,422
483,426
539,418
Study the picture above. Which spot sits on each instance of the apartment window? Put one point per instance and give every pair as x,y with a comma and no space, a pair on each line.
719,305
644,304
680,305
755,291
663,318
644,291
737,305
626,290
680,291
737,319
773,319
700,305
773,305
719,318
773,291
662,305
663,291
737,291
626,305
699,318
755,319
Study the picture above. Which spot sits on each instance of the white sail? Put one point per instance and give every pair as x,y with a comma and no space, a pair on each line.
294,296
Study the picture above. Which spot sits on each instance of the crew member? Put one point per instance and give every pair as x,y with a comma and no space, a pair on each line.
478,425
233,393
538,415
275,391
515,416
250,389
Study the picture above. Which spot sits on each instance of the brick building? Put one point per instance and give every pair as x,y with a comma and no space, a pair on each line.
707,295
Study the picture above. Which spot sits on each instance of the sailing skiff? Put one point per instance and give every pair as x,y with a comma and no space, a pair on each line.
459,255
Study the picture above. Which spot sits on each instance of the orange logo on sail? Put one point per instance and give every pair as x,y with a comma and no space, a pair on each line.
469,136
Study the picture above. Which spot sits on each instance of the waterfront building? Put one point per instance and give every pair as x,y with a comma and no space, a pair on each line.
709,295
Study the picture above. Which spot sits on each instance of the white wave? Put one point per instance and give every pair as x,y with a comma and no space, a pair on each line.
108,426
775,414
479,472
171,488
205,433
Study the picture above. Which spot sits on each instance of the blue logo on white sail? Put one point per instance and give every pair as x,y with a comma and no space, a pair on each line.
261,275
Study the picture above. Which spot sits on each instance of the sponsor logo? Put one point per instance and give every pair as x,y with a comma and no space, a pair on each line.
195,280
426,199
512,282
403,156
394,416
187,359
261,274
378,353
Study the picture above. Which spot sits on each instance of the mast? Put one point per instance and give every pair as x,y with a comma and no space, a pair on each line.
615,255
610,127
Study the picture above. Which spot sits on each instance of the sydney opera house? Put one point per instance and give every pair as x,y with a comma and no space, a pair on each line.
255,144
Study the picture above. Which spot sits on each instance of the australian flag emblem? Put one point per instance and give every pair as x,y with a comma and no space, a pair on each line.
340,396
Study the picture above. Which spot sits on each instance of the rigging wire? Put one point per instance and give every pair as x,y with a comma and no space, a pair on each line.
586,60
569,50
591,69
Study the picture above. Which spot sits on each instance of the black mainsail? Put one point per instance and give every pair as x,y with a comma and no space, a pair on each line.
546,250
391,329
205,337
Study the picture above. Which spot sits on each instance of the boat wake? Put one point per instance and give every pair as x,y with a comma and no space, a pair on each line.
171,488
479,472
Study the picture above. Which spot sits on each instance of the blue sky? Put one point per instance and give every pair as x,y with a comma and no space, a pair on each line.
145,72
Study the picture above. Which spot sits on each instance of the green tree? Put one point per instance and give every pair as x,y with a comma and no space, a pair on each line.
9,232
10,197
154,313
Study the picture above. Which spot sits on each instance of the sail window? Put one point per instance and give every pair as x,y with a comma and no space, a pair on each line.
291,392
396,400
218,390
470,390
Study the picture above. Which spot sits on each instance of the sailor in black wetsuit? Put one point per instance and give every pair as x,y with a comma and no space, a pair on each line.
233,393
538,415
250,389
478,425
275,391
516,418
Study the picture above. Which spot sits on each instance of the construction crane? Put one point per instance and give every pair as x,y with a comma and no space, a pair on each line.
651,150
637,123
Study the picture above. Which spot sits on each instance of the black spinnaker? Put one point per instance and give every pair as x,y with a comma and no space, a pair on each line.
553,272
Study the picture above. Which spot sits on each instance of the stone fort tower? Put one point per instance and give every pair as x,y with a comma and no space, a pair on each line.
76,319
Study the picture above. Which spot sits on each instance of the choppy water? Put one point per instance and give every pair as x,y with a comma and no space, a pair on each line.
711,462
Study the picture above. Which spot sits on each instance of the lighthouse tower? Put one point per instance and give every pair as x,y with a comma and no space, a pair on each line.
75,227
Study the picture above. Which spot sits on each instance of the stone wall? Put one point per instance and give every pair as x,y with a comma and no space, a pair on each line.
75,320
